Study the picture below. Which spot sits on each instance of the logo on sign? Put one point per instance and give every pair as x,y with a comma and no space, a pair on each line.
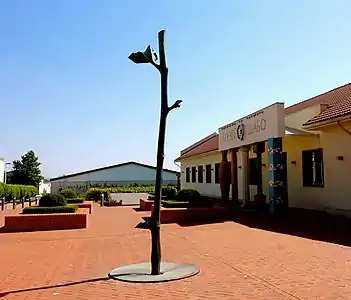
240,132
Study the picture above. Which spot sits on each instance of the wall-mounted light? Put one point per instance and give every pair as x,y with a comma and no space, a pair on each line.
293,162
340,157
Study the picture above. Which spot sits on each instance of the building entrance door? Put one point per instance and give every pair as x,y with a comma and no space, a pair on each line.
285,179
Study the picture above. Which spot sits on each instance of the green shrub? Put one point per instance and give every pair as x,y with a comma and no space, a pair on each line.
12,191
31,190
2,190
95,194
16,191
189,195
51,200
169,191
75,200
68,194
50,210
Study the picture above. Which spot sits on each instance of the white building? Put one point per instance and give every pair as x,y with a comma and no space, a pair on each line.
2,169
124,174
44,187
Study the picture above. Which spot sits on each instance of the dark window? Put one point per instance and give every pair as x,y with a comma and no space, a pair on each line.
200,174
253,172
187,174
208,173
217,172
312,168
193,174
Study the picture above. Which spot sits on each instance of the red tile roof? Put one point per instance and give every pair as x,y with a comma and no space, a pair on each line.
208,145
337,110
330,98
337,100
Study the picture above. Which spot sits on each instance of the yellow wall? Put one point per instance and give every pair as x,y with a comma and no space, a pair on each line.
335,196
299,196
297,119
337,173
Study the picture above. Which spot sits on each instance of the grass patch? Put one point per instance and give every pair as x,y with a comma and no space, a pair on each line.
49,210
174,204
75,200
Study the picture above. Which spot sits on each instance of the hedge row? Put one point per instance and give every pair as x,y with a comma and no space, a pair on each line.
16,191
75,200
131,189
49,210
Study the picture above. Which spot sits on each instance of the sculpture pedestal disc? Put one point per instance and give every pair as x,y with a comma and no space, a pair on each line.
142,272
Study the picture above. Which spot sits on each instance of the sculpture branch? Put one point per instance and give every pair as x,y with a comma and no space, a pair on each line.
154,64
161,49
175,105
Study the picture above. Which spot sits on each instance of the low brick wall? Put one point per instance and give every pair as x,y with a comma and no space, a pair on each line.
174,215
86,204
146,205
20,223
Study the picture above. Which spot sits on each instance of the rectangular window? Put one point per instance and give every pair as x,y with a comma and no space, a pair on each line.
217,172
200,174
253,172
208,173
193,174
187,174
312,168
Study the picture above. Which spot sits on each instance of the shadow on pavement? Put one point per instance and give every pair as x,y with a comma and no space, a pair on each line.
303,223
308,224
47,287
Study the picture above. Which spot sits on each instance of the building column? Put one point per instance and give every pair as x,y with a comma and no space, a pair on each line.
224,176
234,169
260,198
276,175
244,160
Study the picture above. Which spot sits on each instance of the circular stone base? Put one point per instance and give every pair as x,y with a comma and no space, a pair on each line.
142,272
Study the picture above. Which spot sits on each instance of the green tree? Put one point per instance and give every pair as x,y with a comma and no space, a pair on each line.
26,171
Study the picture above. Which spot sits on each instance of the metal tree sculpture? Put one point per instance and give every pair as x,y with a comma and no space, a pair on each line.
153,223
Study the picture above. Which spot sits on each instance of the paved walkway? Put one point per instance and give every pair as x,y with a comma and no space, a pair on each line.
237,262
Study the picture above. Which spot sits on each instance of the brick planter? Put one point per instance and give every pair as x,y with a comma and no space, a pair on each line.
86,204
174,215
19,223
146,205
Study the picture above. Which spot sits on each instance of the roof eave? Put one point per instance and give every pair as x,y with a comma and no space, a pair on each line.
316,125
179,159
110,167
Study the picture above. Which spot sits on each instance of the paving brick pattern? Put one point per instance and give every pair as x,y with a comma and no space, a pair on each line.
237,262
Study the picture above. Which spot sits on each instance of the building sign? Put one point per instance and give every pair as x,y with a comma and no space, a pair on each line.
257,127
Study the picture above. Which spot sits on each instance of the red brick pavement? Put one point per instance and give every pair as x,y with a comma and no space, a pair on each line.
236,262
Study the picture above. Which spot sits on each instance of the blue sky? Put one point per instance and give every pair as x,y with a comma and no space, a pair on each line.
68,91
